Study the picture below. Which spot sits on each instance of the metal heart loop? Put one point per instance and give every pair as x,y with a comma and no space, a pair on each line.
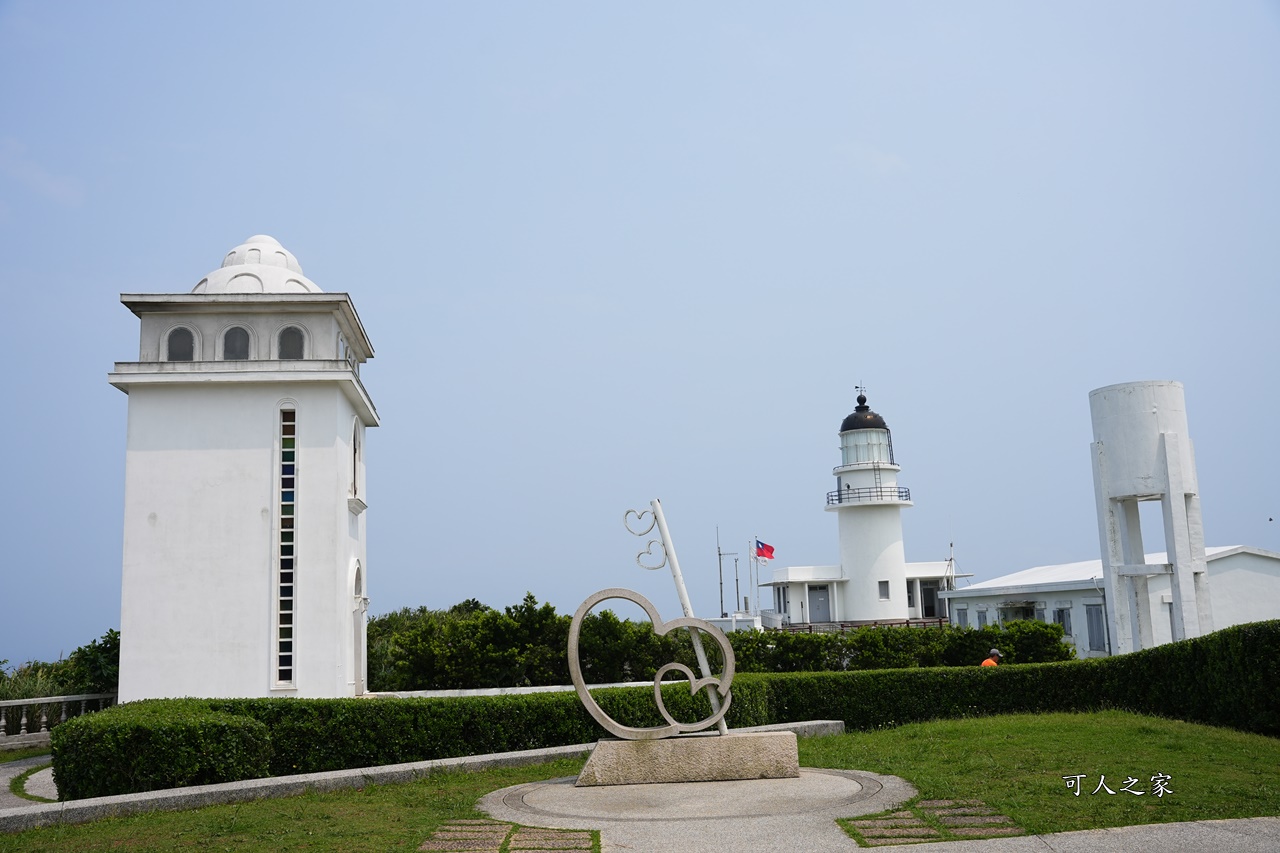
720,685
626,521
648,552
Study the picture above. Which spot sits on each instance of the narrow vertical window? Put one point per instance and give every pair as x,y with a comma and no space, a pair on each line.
181,345
291,343
355,461
286,549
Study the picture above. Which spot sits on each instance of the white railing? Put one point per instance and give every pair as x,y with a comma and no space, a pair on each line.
36,716
773,619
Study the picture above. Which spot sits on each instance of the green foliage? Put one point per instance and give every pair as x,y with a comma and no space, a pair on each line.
471,646
896,647
92,668
145,746
95,667
1229,678
474,646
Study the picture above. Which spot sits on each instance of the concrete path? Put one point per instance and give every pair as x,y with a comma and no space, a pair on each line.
692,817
9,770
791,814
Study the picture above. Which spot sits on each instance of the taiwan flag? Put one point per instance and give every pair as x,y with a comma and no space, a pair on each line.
763,551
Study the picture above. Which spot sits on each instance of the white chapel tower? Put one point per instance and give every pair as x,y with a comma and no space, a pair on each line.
869,502
244,533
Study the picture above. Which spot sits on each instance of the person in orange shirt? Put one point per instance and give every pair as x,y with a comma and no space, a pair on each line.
993,659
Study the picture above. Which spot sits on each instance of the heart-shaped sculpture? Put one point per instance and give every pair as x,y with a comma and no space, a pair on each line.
721,685
626,521
648,552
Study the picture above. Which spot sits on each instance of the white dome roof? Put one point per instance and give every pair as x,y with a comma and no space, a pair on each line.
258,265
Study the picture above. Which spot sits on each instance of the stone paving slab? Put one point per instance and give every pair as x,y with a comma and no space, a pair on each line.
915,831
489,836
975,820
987,830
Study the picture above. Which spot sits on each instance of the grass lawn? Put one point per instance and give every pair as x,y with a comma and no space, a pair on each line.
1015,764
18,754
378,818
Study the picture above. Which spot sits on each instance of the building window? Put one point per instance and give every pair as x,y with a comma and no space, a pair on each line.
347,354
286,549
235,344
1062,616
355,461
962,617
1097,626
181,345
911,593
1039,614
291,343
884,590
982,618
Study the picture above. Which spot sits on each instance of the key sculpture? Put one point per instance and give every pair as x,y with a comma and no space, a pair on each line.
717,687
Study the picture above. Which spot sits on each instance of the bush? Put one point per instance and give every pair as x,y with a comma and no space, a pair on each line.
144,746
896,647
1229,678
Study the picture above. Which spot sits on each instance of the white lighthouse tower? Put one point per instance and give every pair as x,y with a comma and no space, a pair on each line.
244,534
869,502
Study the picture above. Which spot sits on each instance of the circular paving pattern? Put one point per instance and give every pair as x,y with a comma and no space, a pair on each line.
558,803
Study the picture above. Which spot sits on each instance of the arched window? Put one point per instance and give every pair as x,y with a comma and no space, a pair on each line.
291,343
235,344
182,345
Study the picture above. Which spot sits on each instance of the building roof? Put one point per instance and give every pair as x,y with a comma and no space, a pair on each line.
862,417
931,569
258,265
784,575
1076,575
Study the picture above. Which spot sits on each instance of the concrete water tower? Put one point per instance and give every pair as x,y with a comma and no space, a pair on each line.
1142,452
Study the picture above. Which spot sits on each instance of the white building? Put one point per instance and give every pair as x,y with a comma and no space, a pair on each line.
1244,587
873,582
244,539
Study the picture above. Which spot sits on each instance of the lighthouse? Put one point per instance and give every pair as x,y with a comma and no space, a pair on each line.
868,503
873,583
244,561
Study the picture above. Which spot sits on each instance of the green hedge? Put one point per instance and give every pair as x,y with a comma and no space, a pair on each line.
145,746
1228,678
897,647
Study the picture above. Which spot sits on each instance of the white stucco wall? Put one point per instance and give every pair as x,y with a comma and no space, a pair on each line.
871,551
198,593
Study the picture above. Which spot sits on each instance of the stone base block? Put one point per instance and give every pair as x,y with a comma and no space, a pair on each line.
693,758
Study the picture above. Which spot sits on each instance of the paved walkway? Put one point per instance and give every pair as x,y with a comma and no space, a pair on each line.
694,817
799,814
9,770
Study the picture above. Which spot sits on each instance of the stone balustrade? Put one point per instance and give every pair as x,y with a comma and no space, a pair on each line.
24,718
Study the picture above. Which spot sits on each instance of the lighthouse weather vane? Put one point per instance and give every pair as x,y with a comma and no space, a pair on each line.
717,688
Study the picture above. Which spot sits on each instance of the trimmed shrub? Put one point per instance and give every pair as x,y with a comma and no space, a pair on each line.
1229,678
897,647
144,746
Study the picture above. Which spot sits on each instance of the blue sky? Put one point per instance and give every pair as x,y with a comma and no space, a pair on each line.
613,252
